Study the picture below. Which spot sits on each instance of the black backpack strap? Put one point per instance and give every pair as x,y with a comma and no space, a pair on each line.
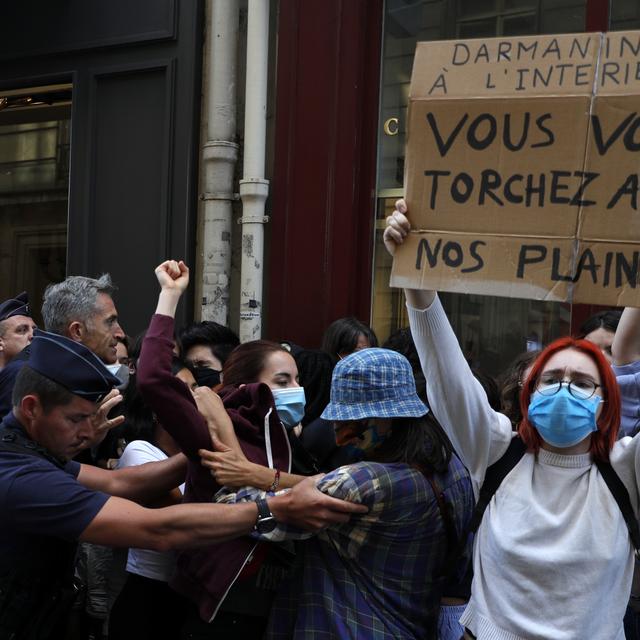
447,520
452,549
493,478
621,496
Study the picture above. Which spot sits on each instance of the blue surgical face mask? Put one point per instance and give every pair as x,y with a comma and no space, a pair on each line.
290,404
120,371
563,420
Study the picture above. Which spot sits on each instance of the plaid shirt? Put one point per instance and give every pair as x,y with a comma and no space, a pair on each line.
377,576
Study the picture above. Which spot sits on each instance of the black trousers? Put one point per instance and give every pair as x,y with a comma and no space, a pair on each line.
225,625
146,610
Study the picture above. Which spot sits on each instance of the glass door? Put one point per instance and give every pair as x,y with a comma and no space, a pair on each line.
34,185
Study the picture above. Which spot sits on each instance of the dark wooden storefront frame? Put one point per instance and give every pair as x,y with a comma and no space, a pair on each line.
136,72
324,176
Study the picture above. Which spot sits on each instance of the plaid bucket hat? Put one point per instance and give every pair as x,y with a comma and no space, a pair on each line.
373,383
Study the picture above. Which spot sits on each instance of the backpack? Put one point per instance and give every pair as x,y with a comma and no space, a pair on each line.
499,470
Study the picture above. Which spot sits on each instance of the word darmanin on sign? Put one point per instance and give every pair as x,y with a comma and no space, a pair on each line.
523,168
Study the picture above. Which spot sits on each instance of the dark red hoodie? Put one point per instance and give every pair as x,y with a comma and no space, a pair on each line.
205,575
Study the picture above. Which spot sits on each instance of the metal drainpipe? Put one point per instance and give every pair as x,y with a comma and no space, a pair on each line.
220,154
253,186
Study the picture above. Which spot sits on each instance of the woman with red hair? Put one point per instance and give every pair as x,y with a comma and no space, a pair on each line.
552,556
604,396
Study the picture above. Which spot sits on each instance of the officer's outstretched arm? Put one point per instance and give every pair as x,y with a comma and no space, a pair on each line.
123,523
126,524
143,483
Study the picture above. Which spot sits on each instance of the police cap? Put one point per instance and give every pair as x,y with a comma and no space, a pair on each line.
71,365
18,306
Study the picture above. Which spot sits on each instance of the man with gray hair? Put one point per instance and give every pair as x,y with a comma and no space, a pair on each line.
81,309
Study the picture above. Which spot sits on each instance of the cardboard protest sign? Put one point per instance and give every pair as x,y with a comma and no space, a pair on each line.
523,168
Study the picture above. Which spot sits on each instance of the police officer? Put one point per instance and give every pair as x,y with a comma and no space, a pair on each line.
48,502
16,333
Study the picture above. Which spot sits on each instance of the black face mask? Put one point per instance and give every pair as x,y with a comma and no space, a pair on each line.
206,376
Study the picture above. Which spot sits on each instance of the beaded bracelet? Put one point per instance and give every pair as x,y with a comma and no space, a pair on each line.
276,481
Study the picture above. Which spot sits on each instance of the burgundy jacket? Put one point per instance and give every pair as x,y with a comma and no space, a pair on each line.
205,575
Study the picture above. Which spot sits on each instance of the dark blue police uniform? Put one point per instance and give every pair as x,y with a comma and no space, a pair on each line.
8,377
43,508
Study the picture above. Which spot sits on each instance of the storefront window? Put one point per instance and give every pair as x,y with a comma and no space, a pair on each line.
625,14
34,185
491,330
496,17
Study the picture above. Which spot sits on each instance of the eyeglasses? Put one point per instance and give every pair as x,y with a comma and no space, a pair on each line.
578,388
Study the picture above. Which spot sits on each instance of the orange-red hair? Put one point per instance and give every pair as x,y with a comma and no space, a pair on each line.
608,423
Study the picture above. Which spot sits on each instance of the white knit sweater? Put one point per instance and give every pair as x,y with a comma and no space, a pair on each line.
552,557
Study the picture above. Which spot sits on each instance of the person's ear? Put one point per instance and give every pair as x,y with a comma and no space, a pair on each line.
31,407
75,331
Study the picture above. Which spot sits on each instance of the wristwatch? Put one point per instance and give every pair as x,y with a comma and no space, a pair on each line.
265,522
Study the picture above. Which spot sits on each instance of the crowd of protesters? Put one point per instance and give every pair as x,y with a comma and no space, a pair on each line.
184,485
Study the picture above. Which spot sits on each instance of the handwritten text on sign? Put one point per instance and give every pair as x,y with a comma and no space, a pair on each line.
523,168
